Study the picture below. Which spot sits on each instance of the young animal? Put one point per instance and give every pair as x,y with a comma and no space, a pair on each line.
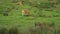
25,12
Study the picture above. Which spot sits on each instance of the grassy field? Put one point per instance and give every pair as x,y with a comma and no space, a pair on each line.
24,22
15,19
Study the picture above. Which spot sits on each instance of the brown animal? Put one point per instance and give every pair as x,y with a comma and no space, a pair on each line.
25,12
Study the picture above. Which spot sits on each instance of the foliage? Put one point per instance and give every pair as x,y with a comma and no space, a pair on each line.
13,30
36,7
3,31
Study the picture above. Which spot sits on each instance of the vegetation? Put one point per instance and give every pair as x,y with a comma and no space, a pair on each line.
44,13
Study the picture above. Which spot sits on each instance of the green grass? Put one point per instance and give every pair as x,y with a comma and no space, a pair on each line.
24,22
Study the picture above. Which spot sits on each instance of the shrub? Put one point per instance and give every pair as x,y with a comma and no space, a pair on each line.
52,24
58,31
44,28
13,30
3,31
32,30
58,1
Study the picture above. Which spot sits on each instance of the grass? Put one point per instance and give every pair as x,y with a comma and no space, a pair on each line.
24,22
